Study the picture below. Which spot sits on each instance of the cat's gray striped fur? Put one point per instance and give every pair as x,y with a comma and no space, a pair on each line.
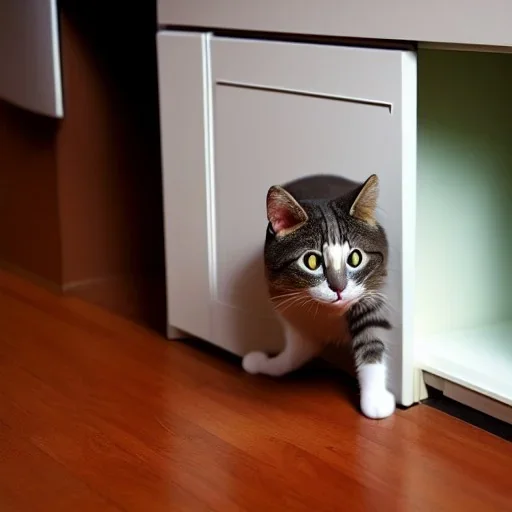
326,262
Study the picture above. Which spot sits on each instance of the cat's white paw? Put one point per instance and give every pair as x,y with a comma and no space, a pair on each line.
378,404
253,362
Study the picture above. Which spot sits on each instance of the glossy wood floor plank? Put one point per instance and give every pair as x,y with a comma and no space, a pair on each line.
97,413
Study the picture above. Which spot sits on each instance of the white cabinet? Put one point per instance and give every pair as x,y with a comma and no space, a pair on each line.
30,74
238,116
475,22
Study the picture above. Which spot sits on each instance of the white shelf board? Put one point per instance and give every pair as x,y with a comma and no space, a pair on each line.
478,359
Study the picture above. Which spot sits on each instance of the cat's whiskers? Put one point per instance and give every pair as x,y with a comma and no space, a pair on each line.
280,303
288,303
286,307
301,301
292,293
279,300
307,301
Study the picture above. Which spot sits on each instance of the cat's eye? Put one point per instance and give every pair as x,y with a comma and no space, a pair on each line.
355,258
312,261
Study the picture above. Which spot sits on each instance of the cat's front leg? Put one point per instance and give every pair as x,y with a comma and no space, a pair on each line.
367,321
298,350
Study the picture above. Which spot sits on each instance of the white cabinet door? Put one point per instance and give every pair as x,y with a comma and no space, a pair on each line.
239,116
284,110
30,74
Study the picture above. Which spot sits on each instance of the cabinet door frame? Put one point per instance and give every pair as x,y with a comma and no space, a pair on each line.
185,100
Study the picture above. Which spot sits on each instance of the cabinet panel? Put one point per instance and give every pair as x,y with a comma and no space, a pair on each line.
453,21
183,111
285,110
30,55
362,74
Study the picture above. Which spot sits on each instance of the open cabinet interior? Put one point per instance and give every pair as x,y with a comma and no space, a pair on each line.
463,311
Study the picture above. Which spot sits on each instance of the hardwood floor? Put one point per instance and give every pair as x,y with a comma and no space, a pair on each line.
98,414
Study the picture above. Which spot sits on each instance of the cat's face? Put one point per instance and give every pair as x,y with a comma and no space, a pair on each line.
331,252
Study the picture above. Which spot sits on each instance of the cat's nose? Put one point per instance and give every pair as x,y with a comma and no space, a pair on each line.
337,281
336,289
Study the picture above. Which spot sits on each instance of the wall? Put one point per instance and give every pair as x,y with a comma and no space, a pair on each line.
82,206
109,153
29,214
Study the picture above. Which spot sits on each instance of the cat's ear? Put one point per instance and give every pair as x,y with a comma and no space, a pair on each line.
365,204
284,213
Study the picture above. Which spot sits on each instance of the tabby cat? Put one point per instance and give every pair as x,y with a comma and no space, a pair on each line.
326,262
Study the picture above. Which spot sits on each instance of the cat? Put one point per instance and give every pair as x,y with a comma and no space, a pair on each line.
326,262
